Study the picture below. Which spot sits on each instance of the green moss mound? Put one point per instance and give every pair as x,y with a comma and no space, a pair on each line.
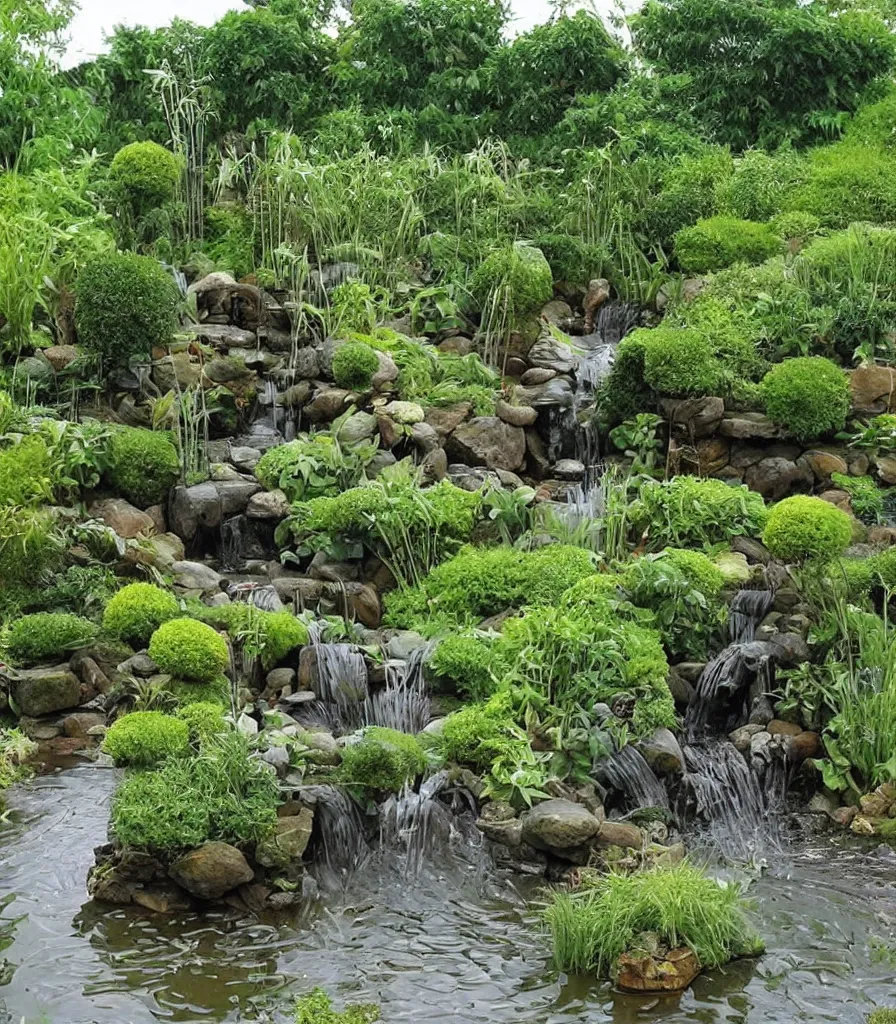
808,396
189,650
354,365
383,759
802,528
718,242
270,635
514,281
46,636
146,738
317,1008
204,719
143,465
146,175
137,611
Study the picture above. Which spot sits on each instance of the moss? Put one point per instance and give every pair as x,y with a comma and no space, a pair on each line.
465,660
145,174
470,736
848,183
126,305
189,650
699,569
146,738
882,1017
719,242
137,611
143,465
354,365
26,472
46,636
808,397
383,759
317,1008
515,280
801,528
203,718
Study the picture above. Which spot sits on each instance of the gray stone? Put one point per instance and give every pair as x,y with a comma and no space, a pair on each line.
559,826
569,469
405,412
552,354
698,417
268,505
244,457
620,833
516,415
122,517
289,841
425,437
662,752
361,426
747,425
139,665
41,691
195,577
777,477
211,870
488,441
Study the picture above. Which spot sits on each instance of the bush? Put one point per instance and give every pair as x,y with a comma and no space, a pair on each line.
126,306
718,242
807,397
204,720
849,183
383,759
26,472
225,795
354,365
700,570
145,174
801,528
868,501
137,611
882,1017
143,465
189,650
30,544
573,260
796,225
45,636
146,738
761,185
317,1008
592,927
512,281
314,466
465,659
472,735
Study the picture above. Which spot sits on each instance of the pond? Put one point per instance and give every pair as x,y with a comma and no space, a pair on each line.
458,944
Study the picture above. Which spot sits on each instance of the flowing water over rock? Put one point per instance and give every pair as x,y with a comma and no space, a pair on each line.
628,772
451,948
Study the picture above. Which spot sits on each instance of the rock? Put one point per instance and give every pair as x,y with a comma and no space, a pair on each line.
885,465
222,336
657,972
823,803
556,392
777,727
559,826
662,752
748,425
803,745
60,356
162,551
488,441
790,649
139,665
777,477
390,431
823,463
323,747
289,841
363,604
208,504
211,870
405,412
873,390
278,758
90,673
537,375
388,371
516,415
161,899
507,833
358,427
620,833
33,368
697,417
569,469
278,679
268,505
712,454
176,371
80,723
41,691
448,418
426,437
556,311
121,516
754,552
551,353
195,579
245,458
741,737
327,404
734,567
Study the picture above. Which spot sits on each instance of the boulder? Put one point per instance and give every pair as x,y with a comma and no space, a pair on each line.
746,425
80,723
208,504
211,870
122,517
41,691
488,441
425,437
777,477
823,463
405,412
288,842
387,372
358,427
803,745
697,417
556,392
659,971
663,752
448,418
569,469
516,415
60,356
885,465
195,579
873,390
559,826
619,833
268,505
537,375
550,353
244,457
327,404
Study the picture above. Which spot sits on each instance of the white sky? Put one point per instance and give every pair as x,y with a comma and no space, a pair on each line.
99,16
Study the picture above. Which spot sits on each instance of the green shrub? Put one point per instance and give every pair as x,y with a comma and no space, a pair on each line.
849,183
314,466
224,795
702,572
383,759
761,184
145,174
45,636
512,282
882,1017
883,569
807,397
875,124
216,691
354,365
465,659
688,511
866,498
30,544
317,1008
203,719
592,927
26,472
146,738
718,242
137,611
796,225
734,334
801,528
143,465
126,305
574,260
856,575
189,650
472,735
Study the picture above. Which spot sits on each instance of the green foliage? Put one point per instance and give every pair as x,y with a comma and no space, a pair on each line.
143,465
145,174
874,124
801,528
271,636
678,362
354,365
465,660
574,260
317,1008
808,396
382,759
761,185
882,1017
30,544
137,611
223,794
146,738
593,926
15,749
472,735
45,636
512,282
26,472
720,241
126,306
702,572
866,498
314,466
848,183
204,719
735,336
189,650
687,511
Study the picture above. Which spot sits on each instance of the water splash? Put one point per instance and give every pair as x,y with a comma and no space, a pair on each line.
415,827
339,829
628,772
405,703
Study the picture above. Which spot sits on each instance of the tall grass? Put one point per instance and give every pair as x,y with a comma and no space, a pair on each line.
591,928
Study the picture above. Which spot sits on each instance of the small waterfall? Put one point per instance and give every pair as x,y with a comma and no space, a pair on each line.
262,596
748,609
244,540
416,825
342,688
404,704
340,828
628,772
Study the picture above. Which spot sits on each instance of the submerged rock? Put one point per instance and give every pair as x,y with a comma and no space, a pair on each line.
211,870
657,971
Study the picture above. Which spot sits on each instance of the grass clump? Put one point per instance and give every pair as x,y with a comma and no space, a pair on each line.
465,660
137,611
189,650
143,465
802,528
354,365
317,1008
717,242
593,927
882,1017
146,738
45,636
808,396
383,759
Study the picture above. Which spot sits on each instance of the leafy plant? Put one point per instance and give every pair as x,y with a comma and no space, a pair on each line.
314,466
637,439
317,1008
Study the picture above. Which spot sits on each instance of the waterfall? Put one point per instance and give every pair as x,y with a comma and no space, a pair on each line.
340,829
748,609
404,704
628,772
416,825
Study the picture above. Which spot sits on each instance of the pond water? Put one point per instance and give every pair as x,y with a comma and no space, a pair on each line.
461,947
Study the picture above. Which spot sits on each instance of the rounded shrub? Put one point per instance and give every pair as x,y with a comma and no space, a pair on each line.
699,569
517,279
45,636
137,611
801,528
146,175
719,242
465,659
146,738
849,183
203,718
189,650
382,759
354,365
806,396
125,306
143,465
678,361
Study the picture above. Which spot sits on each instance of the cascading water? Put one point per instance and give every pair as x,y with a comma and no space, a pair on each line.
404,704
628,772
339,829
414,825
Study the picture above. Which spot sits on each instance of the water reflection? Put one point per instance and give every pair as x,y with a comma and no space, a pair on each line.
458,946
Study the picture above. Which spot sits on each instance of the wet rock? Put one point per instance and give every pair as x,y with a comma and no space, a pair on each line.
161,899
537,375
873,390
221,336
790,649
208,504
550,353
327,404
268,505
741,737
803,746
41,691
516,415
569,469
620,833
107,886
508,833
288,842
761,713
663,752
488,441
122,517
559,826
244,457
211,870
80,724
193,579
659,971
777,727
556,392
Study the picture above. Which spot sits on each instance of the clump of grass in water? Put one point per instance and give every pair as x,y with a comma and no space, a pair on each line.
591,928
317,1008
